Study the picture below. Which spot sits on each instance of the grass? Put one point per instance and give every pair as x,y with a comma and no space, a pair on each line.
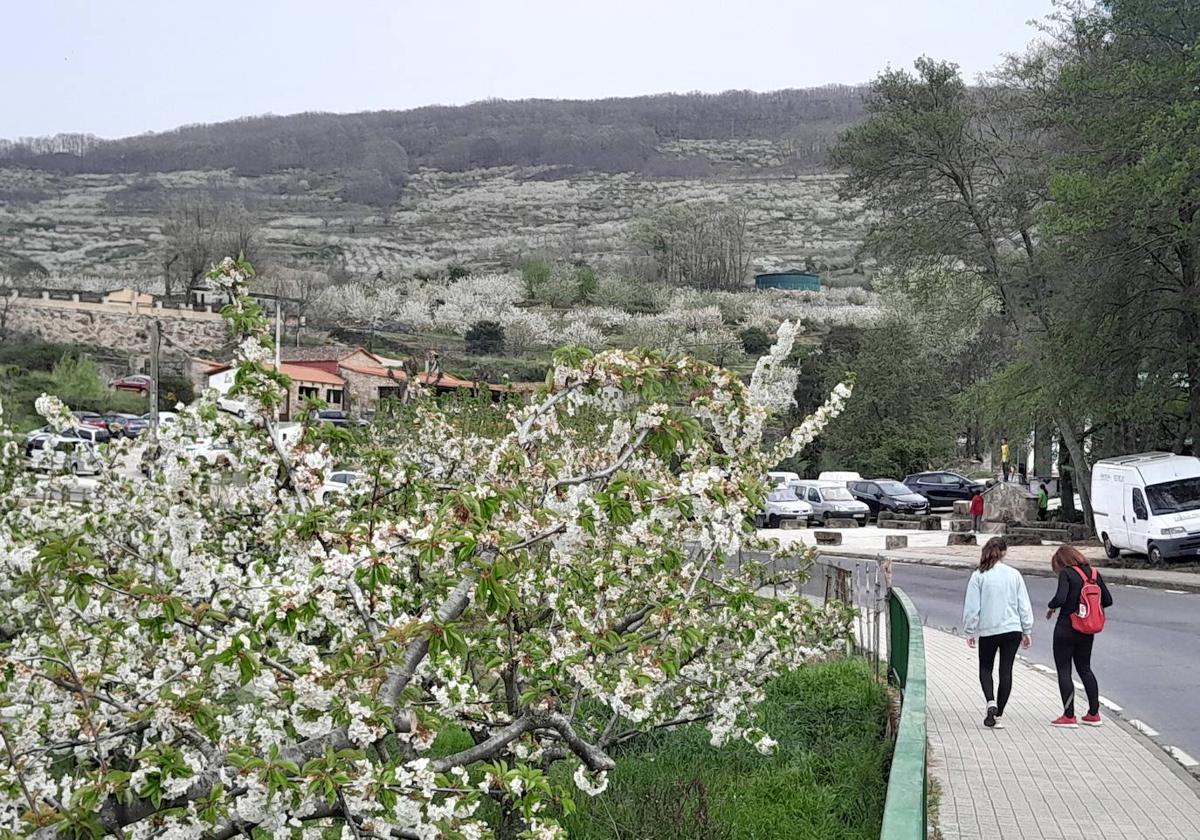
826,781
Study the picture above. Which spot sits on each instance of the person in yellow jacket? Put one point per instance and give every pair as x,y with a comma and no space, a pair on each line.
1004,464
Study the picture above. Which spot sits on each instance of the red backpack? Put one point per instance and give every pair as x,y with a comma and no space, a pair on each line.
1089,618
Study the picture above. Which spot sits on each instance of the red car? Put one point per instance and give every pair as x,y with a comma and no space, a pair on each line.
138,382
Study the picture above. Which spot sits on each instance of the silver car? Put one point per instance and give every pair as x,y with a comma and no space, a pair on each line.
782,504
831,500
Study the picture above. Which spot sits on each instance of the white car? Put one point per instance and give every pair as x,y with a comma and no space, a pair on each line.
237,408
59,453
338,482
783,505
781,478
212,453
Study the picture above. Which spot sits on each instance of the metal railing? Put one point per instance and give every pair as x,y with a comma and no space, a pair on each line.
905,814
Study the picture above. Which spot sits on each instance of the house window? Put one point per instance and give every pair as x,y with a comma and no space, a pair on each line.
389,392
333,396
307,392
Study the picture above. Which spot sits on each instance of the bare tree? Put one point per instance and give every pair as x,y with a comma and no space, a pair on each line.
701,245
198,232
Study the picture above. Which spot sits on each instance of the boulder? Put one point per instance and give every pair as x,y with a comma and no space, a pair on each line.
961,539
930,523
841,523
828,538
960,526
893,541
792,524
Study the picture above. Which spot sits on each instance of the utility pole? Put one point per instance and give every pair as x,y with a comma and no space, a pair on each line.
155,346
278,330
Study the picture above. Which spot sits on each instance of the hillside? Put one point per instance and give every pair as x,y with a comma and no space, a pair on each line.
400,191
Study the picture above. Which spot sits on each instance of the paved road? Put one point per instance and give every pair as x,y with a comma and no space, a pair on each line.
1147,660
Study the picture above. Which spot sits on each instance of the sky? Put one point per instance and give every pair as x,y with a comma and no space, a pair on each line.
119,67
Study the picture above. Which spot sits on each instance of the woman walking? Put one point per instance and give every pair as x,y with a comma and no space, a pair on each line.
1080,600
997,610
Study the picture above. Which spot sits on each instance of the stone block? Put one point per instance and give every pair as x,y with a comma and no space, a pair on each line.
961,539
960,526
893,541
828,538
793,524
931,523
841,523
899,524
962,508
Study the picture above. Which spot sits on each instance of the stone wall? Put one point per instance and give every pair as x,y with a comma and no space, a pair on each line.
118,326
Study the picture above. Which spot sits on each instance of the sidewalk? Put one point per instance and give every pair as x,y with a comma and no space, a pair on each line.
1029,781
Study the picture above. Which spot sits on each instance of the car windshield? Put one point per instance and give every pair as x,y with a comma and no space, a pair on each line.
836,494
783,494
1174,496
893,488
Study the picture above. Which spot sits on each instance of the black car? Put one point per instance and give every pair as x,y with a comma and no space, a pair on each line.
333,417
881,494
943,489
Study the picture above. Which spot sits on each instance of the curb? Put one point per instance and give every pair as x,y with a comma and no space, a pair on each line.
1112,574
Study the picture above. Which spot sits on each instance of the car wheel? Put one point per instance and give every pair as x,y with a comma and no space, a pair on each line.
241,414
1110,550
772,521
1155,555
758,520
74,468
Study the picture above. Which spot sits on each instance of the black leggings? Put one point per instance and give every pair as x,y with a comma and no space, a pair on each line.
1071,646
1007,644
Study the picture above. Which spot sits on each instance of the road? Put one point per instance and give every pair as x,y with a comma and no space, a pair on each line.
1147,660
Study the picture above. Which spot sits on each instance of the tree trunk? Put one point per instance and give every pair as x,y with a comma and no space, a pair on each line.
1066,482
1042,439
1082,469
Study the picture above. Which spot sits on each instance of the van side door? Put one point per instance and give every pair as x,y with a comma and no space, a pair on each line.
1138,520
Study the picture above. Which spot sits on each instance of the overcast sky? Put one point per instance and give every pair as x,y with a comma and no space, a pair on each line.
120,67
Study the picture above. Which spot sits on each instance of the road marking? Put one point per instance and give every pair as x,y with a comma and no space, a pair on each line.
1108,704
1045,669
1134,586
1144,728
1182,757
1175,591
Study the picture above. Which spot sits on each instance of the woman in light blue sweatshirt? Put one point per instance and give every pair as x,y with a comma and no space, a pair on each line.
997,611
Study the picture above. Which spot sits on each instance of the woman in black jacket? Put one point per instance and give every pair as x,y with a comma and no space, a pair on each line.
1071,646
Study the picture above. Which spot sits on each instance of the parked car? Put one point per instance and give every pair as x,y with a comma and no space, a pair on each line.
782,505
880,494
831,500
235,407
943,489
95,435
37,439
333,417
338,482
1148,503
165,418
214,453
67,454
89,418
137,382
129,425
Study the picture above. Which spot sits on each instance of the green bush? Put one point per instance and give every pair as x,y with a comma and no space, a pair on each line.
827,779
755,341
485,337
535,273
587,284
174,389
457,272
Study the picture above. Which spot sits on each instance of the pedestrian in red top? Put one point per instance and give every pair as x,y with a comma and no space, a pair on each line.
977,510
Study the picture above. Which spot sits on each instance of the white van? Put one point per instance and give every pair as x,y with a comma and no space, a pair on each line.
1148,503
831,500
779,478
842,478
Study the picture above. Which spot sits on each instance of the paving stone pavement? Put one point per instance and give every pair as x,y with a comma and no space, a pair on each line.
1030,781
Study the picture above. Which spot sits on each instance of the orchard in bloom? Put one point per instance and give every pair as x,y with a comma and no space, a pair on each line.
506,591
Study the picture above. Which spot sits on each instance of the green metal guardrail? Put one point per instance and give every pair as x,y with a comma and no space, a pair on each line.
905,810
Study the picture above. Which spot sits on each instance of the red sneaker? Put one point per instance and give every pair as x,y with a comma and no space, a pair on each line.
1065,722
1092,720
